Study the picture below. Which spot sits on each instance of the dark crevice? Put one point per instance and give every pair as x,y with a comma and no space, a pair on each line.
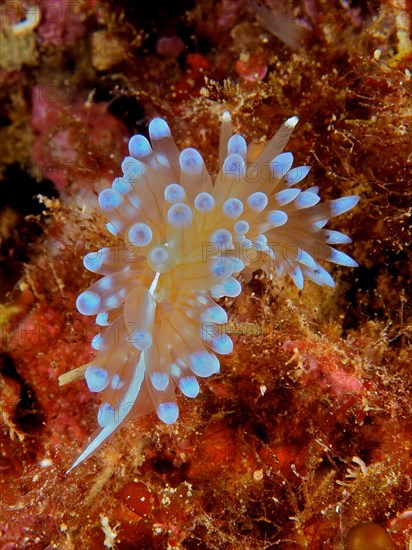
28,417
121,105
19,204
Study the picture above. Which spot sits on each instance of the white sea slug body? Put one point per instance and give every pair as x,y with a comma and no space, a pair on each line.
186,238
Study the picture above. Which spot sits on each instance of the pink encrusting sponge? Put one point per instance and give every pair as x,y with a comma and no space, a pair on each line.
186,238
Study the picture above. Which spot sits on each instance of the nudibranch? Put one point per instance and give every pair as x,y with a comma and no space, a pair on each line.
185,238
